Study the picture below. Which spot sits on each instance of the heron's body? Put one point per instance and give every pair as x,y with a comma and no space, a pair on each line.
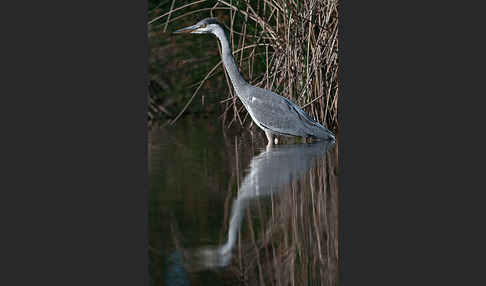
274,114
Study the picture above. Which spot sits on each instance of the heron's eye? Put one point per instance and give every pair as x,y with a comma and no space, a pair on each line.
203,26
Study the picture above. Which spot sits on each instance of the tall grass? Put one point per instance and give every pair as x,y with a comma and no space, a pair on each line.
290,47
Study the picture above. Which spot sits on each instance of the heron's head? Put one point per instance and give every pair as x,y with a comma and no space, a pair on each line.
205,26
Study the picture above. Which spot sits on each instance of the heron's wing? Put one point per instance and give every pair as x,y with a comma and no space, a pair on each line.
278,113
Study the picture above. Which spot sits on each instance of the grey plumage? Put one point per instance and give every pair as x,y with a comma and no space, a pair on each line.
274,114
278,115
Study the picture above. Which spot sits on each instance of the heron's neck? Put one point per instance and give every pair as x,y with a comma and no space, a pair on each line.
237,215
229,62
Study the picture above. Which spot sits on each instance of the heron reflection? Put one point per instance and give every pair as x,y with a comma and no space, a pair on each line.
268,173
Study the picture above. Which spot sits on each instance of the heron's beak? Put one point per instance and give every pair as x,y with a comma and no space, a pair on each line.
186,30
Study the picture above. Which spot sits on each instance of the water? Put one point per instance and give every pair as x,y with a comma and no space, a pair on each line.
224,209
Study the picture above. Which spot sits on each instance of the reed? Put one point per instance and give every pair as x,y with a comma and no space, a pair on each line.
296,241
290,47
291,237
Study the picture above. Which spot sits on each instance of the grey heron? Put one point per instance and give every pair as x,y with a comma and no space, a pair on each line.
274,114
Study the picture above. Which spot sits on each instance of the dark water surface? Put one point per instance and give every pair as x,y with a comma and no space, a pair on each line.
224,209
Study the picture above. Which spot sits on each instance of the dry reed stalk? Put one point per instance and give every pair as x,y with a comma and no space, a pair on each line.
175,10
255,247
296,243
168,17
227,205
301,37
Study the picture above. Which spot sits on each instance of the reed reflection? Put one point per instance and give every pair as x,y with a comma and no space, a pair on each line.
270,172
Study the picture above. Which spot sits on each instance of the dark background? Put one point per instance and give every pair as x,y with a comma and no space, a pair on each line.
74,144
